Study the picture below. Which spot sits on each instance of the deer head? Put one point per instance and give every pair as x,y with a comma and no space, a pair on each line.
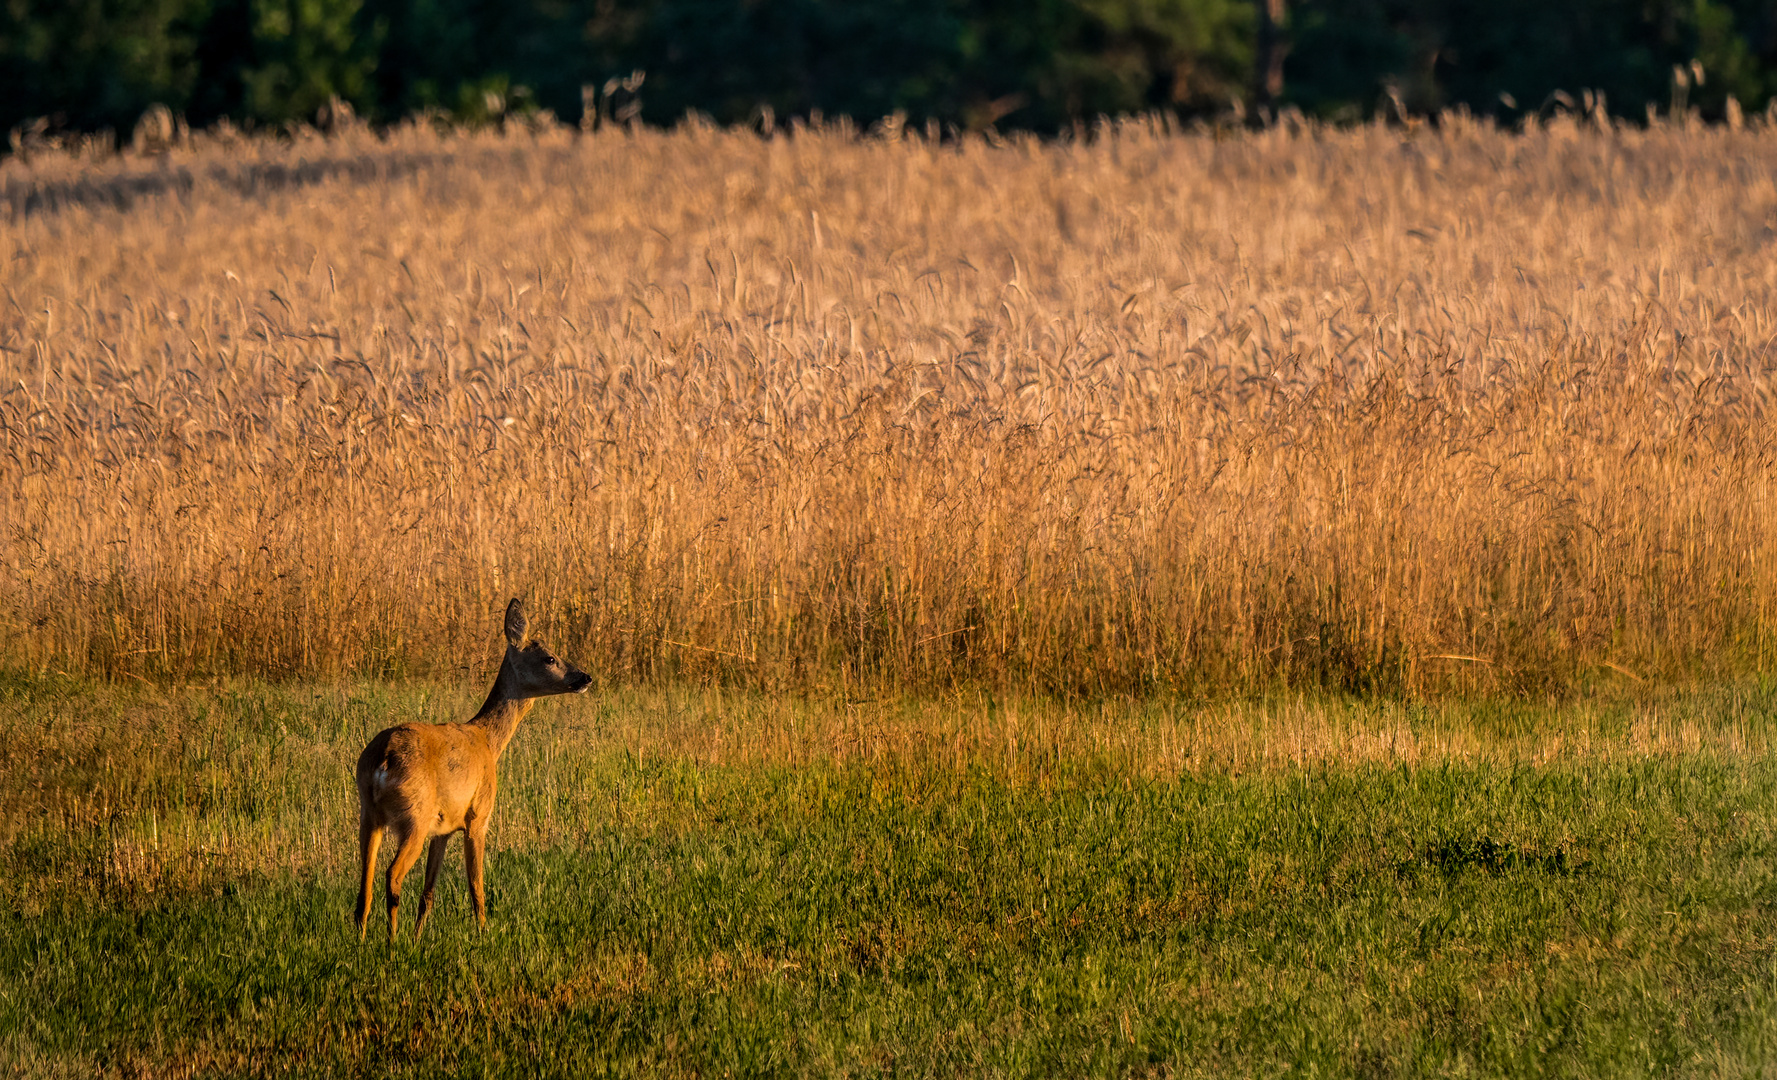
534,670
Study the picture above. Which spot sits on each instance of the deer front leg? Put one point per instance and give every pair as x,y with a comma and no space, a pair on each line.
474,847
369,838
405,856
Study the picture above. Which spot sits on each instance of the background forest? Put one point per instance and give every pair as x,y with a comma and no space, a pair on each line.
1033,64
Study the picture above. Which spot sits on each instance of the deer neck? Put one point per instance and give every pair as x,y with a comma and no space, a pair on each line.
504,707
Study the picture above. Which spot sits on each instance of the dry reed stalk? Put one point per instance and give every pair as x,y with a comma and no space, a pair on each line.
1146,411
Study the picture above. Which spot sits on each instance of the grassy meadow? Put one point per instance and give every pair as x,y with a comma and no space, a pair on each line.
1157,603
698,882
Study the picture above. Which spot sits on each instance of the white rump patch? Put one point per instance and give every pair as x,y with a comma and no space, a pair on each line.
380,778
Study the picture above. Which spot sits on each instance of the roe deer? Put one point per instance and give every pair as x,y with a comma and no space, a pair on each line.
427,782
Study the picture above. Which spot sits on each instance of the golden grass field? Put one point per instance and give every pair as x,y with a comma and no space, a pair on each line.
1155,603
1449,409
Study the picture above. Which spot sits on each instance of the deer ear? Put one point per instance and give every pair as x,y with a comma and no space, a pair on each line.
516,624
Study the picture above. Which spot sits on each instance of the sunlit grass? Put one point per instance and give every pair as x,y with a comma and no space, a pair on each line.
692,882
1154,413
1153,605
150,782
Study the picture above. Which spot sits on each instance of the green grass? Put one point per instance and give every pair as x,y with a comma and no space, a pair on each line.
942,887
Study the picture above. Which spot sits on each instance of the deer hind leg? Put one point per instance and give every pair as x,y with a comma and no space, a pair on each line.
434,859
406,855
370,837
474,847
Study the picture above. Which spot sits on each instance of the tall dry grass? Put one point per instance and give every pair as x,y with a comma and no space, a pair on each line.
1361,408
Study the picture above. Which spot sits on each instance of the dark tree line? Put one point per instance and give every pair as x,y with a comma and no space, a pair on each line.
1038,64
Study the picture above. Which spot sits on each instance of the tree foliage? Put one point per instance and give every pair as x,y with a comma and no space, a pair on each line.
1039,64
